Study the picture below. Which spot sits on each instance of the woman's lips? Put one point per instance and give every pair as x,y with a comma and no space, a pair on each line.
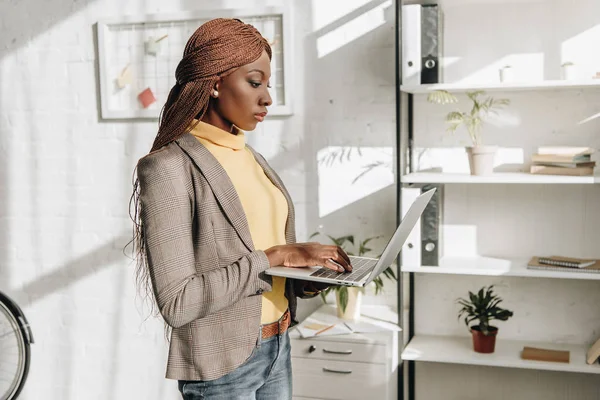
260,117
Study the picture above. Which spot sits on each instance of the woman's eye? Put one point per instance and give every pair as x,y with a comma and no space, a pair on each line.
255,84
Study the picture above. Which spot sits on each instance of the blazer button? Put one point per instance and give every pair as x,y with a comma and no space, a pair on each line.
259,291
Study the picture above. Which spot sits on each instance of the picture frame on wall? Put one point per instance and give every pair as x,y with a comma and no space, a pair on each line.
138,56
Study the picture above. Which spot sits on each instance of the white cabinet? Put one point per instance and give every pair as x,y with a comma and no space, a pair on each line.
353,366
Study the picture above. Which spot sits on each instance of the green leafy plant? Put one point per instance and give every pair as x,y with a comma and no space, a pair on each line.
348,244
473,120
483,306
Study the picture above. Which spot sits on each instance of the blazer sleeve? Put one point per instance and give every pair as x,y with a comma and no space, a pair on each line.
183,295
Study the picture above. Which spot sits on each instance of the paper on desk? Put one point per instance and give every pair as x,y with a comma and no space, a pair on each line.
311,327
367,325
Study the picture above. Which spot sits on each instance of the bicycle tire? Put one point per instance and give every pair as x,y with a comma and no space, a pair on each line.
24,348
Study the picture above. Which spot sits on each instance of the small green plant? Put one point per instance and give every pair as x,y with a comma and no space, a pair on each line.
473,120
483,306
347,243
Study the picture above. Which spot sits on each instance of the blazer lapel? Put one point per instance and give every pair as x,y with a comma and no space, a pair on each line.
290,228
220,184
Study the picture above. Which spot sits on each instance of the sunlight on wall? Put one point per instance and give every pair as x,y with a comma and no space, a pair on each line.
527,67
348,174
455,160
582,50
459,240
326,12
591,118
351,30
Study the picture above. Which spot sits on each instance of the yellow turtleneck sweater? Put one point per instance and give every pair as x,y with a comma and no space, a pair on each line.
264,205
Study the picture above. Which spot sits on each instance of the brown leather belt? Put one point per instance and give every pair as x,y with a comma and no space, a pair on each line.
277,327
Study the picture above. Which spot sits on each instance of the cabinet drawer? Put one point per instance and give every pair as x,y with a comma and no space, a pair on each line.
338,379
330,350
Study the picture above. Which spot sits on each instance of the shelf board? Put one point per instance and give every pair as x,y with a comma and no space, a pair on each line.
497,86
498,177
489,266
459,350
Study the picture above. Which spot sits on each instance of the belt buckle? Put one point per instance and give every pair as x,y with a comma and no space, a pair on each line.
281,321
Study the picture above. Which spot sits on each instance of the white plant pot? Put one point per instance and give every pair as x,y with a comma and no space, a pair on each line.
352,312
507,75
481,159
569,72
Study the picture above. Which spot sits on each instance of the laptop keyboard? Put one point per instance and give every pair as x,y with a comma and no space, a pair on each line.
361,267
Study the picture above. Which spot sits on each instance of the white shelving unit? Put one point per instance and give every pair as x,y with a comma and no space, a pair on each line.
544,123
459,350
500,87
499,177
490,266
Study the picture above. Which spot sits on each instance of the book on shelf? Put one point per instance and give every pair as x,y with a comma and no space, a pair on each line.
553,170
560,158
561,261
565,150
593,354
564,160
569,165
537,354
535,263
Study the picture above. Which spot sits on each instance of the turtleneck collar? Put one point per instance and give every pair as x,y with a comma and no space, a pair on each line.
218,136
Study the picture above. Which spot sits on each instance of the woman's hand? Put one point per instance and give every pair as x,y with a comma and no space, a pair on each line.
309,255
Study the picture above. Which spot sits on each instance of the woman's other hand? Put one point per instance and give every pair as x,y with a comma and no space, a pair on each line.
309,255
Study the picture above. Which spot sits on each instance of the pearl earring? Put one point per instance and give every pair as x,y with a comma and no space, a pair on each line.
215,94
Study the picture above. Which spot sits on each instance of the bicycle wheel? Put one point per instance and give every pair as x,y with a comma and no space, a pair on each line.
14,355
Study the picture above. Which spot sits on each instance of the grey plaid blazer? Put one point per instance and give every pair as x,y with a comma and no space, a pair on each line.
206,275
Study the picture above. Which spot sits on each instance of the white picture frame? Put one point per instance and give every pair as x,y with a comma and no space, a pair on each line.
126,51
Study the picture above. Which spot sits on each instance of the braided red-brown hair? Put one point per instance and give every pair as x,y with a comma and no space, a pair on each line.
216,49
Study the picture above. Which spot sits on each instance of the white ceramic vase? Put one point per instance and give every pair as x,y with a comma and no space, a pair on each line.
481,159
352,312
507,74
569,72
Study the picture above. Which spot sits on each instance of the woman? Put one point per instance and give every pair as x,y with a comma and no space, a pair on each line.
211,216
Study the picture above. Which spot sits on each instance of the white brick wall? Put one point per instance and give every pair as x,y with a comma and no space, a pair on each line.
65,179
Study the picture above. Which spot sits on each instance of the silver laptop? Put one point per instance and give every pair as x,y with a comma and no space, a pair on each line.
364,269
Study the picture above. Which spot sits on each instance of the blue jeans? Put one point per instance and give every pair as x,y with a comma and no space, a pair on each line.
266,375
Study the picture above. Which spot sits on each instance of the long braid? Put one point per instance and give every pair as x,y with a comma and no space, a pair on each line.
216,49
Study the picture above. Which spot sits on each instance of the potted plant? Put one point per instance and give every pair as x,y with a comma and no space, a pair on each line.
481,158
483,307
348,298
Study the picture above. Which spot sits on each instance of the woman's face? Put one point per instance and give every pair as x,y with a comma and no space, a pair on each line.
244,95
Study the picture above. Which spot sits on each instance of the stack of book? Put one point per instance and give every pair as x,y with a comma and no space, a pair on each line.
575,161
568,264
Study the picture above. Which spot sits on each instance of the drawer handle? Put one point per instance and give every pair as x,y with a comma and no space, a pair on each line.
347,352
337,371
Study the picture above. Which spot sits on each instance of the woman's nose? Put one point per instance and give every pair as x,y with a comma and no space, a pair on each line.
266,99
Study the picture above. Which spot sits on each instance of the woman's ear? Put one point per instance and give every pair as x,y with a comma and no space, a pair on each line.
215,91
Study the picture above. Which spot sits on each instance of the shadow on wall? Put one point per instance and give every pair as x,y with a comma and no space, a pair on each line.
68,274
21,21
350,92
348,78
29,19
